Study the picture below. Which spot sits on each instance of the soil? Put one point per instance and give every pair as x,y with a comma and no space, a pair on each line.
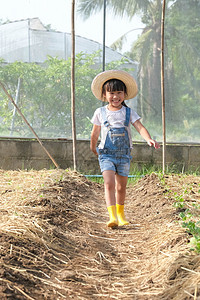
55,243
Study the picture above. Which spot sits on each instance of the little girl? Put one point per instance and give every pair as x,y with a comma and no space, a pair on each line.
113,122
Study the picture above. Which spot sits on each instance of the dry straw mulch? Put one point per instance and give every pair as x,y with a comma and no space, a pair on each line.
55,244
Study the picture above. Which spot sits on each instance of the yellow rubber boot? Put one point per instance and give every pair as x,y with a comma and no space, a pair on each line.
113,216
120,215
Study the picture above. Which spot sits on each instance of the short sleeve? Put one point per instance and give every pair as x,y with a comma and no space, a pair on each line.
96,119
134,117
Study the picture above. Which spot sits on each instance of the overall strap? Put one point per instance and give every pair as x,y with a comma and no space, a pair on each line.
103,112
128,114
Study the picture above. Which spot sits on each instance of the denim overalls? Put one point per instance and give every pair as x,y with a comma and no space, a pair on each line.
115,155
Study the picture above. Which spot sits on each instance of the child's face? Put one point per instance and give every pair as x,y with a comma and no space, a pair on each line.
115,99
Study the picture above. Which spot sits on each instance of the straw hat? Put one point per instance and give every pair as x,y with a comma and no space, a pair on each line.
127,79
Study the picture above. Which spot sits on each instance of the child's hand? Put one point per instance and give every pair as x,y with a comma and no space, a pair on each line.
153,143
94,151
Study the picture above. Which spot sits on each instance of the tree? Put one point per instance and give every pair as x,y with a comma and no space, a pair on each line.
45,96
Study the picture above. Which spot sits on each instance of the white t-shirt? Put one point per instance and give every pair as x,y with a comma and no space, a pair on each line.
116,119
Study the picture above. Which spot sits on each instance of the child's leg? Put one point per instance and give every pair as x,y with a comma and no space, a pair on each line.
109,186
121,183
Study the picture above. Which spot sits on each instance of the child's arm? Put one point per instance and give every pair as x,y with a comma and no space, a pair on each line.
94,138
145,134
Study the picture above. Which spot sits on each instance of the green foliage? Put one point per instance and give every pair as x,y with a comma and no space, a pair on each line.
179,201
45,96
189,215
193,229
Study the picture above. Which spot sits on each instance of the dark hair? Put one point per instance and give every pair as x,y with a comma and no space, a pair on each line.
113,85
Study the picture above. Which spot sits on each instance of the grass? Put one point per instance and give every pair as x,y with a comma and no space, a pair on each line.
136,172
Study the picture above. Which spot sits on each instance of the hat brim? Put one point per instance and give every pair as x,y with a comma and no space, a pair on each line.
126,78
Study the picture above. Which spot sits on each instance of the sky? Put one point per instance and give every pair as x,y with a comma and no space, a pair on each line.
58,14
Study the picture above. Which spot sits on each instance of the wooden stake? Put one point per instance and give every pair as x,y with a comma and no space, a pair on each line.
163,86
25,120
73,83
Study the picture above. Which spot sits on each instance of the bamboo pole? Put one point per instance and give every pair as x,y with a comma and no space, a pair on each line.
104,36
25,120
163,87
73,83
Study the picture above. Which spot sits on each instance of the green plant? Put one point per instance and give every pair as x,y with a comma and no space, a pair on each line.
193,228
179,201
195,244
190,218
184,215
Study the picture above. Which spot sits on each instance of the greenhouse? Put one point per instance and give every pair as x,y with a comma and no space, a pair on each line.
29,41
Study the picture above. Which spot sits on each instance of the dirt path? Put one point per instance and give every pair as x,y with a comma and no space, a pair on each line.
55,244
